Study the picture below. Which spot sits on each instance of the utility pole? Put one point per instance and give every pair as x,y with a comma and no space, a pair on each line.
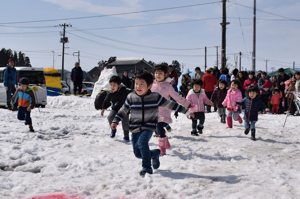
293,65
224,24
205,63
217,58
78,55
240,61
266,66
254,38
53,57
64,40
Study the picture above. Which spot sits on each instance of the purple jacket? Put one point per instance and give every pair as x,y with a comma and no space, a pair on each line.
197,102
166,90
236,96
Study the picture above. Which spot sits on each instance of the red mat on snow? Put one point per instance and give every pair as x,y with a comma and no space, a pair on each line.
57,196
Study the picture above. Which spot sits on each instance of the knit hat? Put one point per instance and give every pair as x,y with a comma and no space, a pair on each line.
24,81
11,59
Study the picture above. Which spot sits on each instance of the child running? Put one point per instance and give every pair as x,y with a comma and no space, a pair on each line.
165,89
143,105
233,95
252,104
116,98
219,95
197,98
26,101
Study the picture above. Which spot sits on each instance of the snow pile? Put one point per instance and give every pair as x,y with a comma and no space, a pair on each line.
103,81
71,152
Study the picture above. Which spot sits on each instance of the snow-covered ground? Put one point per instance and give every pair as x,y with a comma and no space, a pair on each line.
71,152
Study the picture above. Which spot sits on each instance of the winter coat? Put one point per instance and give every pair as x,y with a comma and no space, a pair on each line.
197,101
126,81
77,74
251,107
219,95
183,89
25,98
10,76
280,79
262,84
209,82
197,76
174,74
248,82
275,99
166,90
224,77
231,98
116,99
144,110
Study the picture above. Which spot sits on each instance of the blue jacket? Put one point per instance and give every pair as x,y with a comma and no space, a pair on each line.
10,76
251,107
224,77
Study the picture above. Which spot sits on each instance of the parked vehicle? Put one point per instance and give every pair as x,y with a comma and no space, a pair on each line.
36,80
87,88
65,87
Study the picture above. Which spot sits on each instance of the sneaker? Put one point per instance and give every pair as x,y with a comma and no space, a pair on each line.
194,133
126,139
113,133
155,161
31,128
169,129
145,170
247,131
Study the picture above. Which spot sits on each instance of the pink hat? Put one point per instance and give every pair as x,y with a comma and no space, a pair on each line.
11,59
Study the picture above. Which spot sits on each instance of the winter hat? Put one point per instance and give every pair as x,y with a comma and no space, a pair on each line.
11,59
189,84
24,81
267,77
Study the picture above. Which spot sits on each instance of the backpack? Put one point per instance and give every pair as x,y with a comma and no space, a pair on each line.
99,99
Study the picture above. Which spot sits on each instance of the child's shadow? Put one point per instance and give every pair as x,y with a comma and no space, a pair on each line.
189,138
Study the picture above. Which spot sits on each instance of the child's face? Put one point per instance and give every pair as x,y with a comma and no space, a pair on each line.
23,87
233,86
196,88
160,75
114,86
252,94
141,87
189,87
221,86
297,77
250,76
276,93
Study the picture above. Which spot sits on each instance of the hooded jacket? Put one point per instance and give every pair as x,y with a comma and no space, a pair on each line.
231,98
166,90
197,101
251,107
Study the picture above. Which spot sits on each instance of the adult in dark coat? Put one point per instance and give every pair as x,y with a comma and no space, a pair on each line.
282,77
126,80
10,81
77,78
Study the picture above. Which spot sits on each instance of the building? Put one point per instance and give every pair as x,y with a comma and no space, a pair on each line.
94,74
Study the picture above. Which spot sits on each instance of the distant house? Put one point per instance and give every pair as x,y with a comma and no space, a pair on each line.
94,74
131,65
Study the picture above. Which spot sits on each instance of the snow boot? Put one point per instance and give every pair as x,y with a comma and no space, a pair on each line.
31,128
155,161
194,133
145,170
126,136
223,119
229,122
253,135
247,131
199,128
240,120
169,129
113,133
163,144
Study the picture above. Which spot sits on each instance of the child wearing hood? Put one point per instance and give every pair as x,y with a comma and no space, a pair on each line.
252,103
233,95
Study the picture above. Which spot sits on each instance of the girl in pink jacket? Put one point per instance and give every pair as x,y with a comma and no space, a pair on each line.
196,97
233,95
164,88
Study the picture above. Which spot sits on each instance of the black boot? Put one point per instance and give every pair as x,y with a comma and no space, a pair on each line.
31,128
199,128
223,119
253,135
194,133
247,131
126,136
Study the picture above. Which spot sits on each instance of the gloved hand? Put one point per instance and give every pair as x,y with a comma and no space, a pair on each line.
176,114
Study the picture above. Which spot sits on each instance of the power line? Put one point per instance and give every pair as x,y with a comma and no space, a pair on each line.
109,15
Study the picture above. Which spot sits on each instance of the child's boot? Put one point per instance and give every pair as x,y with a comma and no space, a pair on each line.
31,128
200,127
253,135
169,129
223,119
229,122
194,132
155,161
247,131
126,136
113,133
146,170
240,120
163,144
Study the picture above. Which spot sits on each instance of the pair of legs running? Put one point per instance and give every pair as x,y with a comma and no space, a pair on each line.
163,141
235,115
250,125
125,125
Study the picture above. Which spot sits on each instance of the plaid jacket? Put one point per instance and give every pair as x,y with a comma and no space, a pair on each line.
219,95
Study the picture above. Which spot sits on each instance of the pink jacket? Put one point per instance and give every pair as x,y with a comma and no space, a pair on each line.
166,90
197,103
236,96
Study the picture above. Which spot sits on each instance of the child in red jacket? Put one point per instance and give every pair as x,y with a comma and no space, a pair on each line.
275,100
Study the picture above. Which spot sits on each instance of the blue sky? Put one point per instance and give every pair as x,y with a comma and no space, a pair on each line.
158,31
